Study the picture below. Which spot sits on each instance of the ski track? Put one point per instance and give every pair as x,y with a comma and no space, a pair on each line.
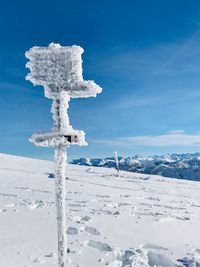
132,220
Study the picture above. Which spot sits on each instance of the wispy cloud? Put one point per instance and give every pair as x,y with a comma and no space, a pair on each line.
172,138
174,97
165,58
188,48
153,75
12,86
15,72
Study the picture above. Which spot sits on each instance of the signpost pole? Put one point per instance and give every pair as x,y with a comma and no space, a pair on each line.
61,123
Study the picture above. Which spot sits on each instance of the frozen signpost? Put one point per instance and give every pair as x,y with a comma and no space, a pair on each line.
59,70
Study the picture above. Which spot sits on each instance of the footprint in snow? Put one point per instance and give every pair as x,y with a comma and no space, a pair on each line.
126,196
126,258
91,230
3,210
72,231
102,247
156,259
132,257
86,218
183,218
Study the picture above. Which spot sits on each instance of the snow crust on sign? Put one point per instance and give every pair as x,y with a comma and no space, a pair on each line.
59,68
133,220
54,139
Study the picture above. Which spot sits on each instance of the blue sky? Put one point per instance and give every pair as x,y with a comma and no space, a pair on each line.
145,55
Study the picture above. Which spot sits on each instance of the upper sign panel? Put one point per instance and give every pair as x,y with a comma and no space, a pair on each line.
59,68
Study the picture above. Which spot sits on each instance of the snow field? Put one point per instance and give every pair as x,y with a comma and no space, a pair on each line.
132,220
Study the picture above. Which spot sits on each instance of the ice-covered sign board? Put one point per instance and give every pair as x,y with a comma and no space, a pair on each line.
59,70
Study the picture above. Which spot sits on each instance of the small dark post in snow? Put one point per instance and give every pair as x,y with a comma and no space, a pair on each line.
59,70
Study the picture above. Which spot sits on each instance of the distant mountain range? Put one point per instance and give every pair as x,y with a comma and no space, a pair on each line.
181,166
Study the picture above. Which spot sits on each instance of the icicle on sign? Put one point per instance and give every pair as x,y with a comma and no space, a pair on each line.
59,70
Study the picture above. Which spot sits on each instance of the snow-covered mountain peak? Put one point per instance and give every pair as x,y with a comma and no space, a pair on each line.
182,166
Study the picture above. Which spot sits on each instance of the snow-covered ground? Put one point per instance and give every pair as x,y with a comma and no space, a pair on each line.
132,220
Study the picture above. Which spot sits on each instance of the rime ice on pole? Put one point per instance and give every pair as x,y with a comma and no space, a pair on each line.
59,70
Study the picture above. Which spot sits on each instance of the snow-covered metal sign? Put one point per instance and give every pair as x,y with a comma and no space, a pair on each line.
59,70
